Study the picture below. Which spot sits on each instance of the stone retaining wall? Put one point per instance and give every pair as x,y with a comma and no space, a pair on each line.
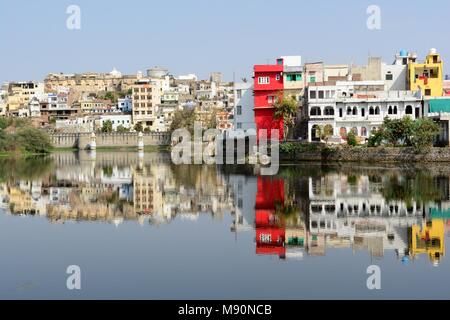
363,154
83,140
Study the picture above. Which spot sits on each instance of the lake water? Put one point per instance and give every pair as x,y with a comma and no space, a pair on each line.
141,228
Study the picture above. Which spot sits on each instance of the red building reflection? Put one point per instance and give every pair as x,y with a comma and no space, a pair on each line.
270,227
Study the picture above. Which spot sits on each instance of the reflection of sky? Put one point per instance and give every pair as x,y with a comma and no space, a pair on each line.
193,254
186,260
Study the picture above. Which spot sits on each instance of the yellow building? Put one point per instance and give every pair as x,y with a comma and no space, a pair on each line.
428,76
429,239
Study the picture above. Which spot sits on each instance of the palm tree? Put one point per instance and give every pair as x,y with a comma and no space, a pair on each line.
286,108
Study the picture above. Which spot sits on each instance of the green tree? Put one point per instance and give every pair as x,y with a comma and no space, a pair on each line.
286,108
138,127
107,126
424,133
122,129
184,118
397,131
351,139
33,140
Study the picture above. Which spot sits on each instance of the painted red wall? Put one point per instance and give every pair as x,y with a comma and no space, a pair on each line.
264,118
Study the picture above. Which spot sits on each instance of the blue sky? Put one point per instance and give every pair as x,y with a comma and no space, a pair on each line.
201,36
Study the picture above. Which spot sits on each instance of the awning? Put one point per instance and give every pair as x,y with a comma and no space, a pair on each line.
440,105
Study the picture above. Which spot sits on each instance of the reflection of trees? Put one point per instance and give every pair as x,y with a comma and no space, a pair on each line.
417,186
29,168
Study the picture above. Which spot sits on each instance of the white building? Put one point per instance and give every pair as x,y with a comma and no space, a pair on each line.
34,107
243,111
117,120
359,106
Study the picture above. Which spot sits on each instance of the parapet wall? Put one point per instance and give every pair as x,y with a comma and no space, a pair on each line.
82,141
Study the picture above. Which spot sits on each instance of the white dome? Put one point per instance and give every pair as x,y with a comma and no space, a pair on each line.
116,73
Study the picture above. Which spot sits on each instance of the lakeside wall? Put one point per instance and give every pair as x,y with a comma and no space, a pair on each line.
108,140
363,154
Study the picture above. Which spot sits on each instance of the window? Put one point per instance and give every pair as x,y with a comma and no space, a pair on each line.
294,77
371,111
329,111
239,110
315,111
312,94
271,99
363,112
239,94
278,77
312,79
428,92
340,113
355,111
321,94
409,110
239,125
390,110
389,76
263,80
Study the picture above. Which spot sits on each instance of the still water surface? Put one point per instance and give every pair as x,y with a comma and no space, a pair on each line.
142,228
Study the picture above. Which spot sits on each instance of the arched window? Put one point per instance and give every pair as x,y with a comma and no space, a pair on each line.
355,130
390,110
371,111
329,111
343,132
315,133
374,129
349,111
355,111
377,110
395,110
363,132
315,111
409,110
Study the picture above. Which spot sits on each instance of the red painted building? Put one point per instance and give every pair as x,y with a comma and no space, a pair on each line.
270,227
268,84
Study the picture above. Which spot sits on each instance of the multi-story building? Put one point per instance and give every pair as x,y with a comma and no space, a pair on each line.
125,105
358,106
20,94
243,111
427,76
91,82
268,85
146,97
97,106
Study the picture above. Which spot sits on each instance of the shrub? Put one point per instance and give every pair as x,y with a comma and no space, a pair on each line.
33,140
351,139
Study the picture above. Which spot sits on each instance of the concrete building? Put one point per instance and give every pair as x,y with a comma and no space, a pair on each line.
125,105
91,82
356,106
427,76
117,120
146,97
243,112
20,94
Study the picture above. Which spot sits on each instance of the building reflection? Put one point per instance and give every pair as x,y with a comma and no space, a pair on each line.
299,214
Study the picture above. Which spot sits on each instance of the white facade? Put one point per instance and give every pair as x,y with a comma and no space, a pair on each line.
34,108
345,109
243,111
117,120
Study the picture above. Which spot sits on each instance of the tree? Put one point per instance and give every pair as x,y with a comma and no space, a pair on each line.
138,127
121,128
424,133
184,118
33,140
107,126
351,139
397,131
326,132
286,108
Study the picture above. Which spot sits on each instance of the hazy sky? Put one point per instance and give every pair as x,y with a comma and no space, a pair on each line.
200,36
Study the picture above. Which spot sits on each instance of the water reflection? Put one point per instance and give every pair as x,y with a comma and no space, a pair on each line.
305,211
